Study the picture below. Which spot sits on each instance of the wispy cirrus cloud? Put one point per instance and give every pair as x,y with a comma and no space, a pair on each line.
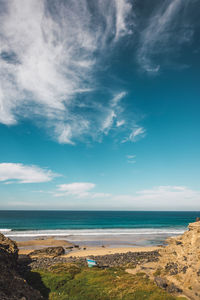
114,113
51,54
168,28
20,173
48,55
136,133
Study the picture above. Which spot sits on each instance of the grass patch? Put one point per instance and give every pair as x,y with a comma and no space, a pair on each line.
71,282
157,272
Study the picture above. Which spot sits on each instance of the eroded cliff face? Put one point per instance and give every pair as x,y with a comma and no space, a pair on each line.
180,261
178,267
8,251
12,285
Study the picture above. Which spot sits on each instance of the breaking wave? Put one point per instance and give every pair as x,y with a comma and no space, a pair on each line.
93,232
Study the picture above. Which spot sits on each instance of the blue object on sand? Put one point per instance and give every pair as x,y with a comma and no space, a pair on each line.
91,263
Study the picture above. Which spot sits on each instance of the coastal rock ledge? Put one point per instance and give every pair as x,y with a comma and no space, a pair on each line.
12,285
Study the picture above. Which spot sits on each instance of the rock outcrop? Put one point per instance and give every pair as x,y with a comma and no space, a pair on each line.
8,251
180,261
48,252
12,285
178,267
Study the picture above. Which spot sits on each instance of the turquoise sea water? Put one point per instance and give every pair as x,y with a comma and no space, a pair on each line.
96,227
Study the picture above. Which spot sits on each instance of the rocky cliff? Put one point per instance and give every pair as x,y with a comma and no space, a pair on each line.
12,285
178,267
180,261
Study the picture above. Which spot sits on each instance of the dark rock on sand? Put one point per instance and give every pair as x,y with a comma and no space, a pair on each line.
161,282
184,269
169,287
172,288
49,251
172,268
69,247
12,285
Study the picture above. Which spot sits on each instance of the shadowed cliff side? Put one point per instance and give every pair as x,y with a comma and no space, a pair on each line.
12,285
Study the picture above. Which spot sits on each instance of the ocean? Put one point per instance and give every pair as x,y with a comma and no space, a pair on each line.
115,228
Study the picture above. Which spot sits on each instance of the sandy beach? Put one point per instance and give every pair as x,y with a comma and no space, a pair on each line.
43,242
26,247
96,251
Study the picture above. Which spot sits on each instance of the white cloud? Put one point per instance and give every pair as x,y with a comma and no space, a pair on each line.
100,195
157,198
131,156
166,30
79,190
47,62
131,159
64,133
136,133
117,98
114,112
76,187
169,196
123,8
16,172
108,122
120,123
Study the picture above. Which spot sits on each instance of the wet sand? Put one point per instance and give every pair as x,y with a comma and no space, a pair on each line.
25,247
41,243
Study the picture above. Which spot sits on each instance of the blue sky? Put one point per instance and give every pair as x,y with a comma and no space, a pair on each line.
99,105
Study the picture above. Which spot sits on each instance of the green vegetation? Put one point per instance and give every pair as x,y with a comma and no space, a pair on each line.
71,282
157,272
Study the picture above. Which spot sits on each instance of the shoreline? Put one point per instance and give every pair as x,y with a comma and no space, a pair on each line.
73,250
121,241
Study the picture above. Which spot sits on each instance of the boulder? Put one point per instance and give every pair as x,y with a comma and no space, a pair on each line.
169,287
161,282
172,288
49,251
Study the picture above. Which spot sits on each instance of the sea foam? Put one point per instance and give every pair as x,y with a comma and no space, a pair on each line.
93,232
